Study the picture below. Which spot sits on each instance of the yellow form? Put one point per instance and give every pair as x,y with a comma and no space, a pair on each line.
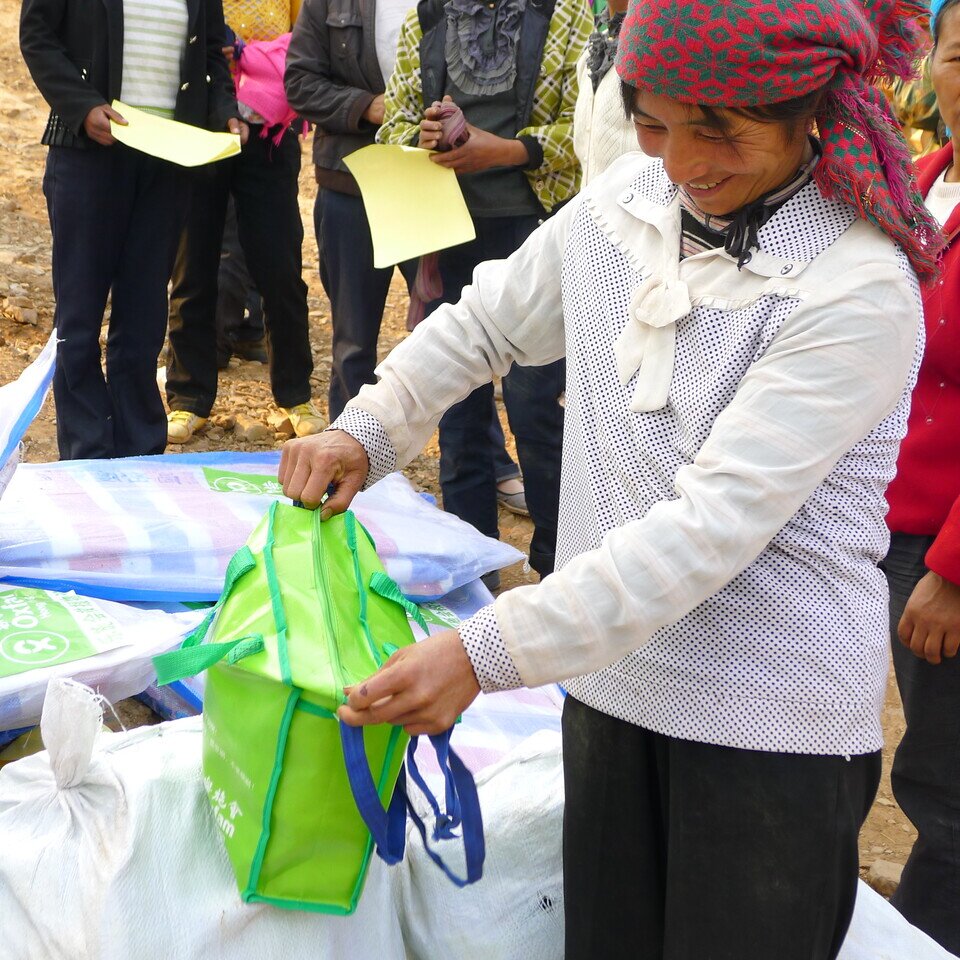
171,140
413,206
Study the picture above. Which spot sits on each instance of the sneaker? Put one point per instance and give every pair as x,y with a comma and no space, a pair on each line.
305,419
511,495
182,425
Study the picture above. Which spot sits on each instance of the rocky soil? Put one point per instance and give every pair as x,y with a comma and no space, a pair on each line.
26,312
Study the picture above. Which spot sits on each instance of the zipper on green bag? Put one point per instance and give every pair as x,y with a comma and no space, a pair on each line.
322,586
350,521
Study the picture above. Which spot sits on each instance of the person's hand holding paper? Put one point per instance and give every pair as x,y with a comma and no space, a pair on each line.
170,140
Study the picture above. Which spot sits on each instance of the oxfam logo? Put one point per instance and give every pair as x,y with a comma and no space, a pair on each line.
235,485
33,647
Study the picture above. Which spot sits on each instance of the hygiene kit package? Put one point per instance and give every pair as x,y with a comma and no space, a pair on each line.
299,798
164,528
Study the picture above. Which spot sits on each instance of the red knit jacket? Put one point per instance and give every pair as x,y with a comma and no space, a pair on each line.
924,496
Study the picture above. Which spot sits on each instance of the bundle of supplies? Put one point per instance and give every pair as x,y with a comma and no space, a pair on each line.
164,528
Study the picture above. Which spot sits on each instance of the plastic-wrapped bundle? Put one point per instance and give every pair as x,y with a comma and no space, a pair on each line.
45,635
20,402
164,528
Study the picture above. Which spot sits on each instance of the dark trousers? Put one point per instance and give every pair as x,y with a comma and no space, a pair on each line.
926,767
468,467
356,289
675,850
239,306
114,215
263,183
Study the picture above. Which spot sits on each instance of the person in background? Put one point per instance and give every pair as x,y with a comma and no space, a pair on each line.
115,213
511,67
601,130
923,563
341,54
263,181
240,330
742,334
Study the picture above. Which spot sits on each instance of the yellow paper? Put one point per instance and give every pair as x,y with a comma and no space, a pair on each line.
413,205
171,140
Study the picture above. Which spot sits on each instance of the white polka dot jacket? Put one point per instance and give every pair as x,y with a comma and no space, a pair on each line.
729,436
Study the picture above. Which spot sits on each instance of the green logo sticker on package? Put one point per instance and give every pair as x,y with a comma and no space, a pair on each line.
40,629
306,610
223,481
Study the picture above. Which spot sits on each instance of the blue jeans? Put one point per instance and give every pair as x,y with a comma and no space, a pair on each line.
926,767
469,466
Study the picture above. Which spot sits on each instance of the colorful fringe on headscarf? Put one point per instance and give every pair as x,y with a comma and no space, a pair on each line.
746,53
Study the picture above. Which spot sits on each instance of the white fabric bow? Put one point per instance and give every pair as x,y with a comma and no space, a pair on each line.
648,340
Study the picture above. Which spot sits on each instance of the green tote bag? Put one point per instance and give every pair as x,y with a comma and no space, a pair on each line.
307,609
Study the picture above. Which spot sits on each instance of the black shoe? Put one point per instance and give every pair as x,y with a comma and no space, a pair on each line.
491,580
255,350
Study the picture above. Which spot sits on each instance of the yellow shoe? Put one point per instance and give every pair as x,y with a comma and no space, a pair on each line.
305,419
182,425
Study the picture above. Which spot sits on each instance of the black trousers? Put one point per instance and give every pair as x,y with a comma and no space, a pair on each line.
357,291
263,183
115,215
239,307
926,767
675,850
468,464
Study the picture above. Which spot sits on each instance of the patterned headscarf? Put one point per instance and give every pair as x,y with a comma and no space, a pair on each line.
745,53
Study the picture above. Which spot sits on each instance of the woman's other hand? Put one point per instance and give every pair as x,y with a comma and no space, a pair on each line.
930,625
482,151
97,124
422,688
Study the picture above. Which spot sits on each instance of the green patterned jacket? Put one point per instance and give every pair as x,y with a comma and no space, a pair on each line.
551,115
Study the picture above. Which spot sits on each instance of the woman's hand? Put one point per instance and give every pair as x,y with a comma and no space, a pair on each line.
239,127
97,124
375,111
481,152
431,127
422,688
308,466
930,625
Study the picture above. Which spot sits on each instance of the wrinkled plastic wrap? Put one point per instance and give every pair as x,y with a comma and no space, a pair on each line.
164,528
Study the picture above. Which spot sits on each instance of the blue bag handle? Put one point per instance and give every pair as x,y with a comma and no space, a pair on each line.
388,827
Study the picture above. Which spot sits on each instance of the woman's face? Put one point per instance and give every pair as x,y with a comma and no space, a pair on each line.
945,69
720,170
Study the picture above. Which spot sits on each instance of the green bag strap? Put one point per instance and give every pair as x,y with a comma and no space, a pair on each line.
240,563
194,656
385,587
189,661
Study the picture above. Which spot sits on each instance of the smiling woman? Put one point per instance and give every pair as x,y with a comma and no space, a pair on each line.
739,315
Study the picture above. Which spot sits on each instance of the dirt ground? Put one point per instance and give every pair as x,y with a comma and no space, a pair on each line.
26,312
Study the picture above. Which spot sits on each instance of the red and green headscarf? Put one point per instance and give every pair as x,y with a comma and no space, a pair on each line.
745,53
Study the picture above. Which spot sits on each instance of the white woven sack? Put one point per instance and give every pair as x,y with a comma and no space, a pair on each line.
515,912
109,851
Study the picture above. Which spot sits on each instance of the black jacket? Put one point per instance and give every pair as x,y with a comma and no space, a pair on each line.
74,52
331,78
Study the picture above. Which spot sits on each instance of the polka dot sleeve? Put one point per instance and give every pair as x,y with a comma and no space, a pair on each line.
480,636
367,431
